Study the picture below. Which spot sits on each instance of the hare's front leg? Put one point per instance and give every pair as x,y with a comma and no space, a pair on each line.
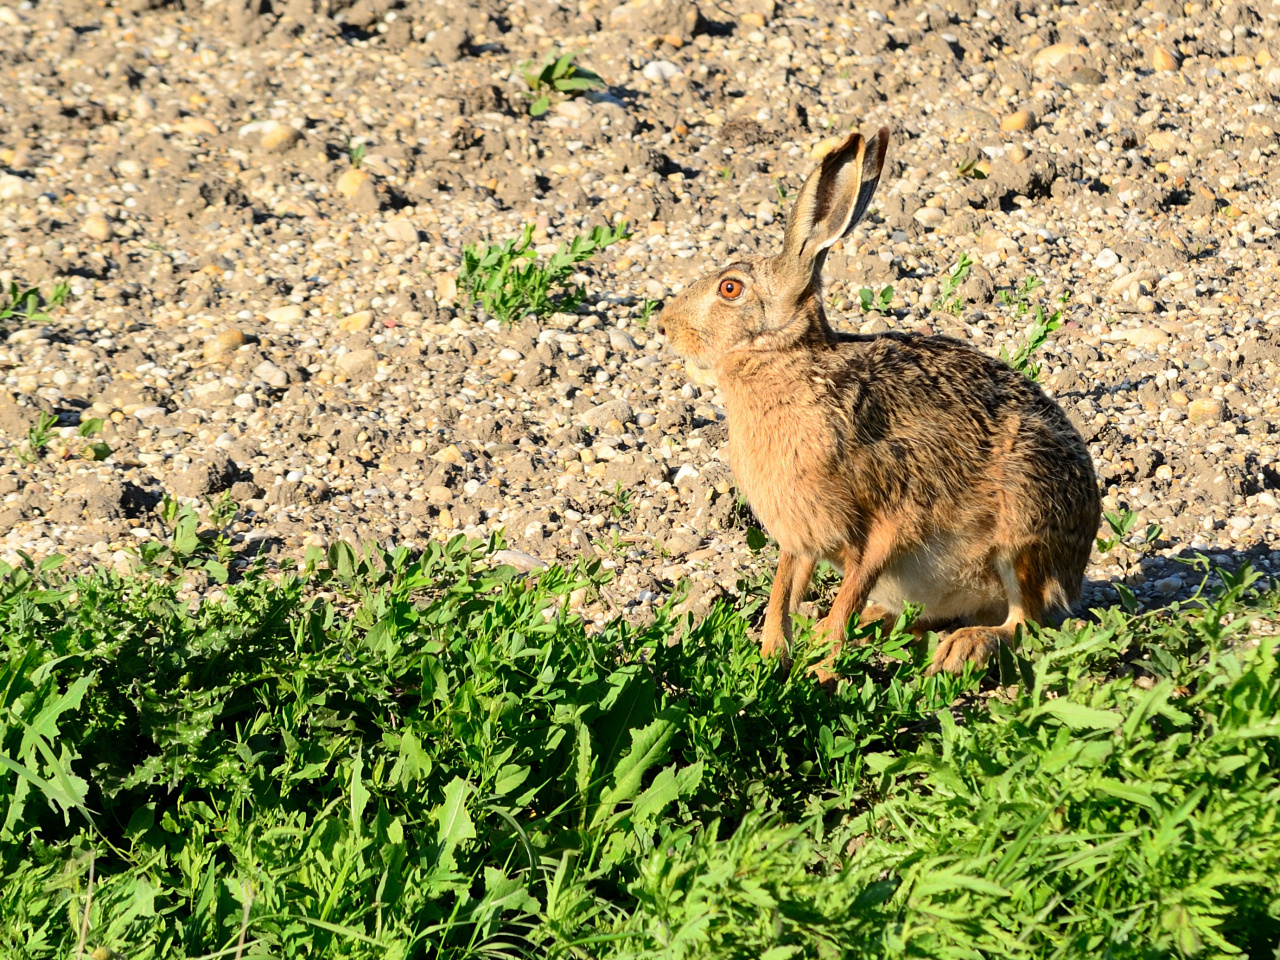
861,568
789,583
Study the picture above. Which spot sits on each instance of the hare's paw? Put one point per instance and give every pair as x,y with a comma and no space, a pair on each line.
968,644
824,676
829,634
829,630
773,641
875,615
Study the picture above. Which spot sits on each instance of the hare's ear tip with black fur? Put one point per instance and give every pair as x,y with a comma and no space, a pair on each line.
878,147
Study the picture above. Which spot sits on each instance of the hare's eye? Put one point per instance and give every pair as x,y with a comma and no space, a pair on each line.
730,289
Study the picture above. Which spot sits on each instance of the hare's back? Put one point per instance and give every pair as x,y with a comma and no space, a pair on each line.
946,411
907,374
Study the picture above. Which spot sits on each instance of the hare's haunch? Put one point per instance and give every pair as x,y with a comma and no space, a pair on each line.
930,472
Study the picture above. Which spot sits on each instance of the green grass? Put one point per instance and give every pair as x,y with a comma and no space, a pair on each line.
1041,325
387,756
30,305
948,300
557,75
870,301
355,152
40,435
510,283
647,309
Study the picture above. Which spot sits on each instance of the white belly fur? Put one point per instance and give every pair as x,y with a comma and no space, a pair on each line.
949,587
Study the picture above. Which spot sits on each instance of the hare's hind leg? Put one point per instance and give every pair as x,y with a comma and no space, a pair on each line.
790,581
1025,583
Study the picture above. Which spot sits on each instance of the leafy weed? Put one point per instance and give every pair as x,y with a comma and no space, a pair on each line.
389,755
510,282
557,75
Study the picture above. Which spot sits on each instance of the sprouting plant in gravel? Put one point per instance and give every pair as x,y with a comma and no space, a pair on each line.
1020,295
871,301
647,308
30,304
947,300
1041,326
784,192
970,168
92,449
511,283
1121,525
615,545
39,435
557,75
725,173
620,504
355,152
188,545
40,441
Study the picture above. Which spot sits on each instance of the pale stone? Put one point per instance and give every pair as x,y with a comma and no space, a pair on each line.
270,374
279,137
358,363
351,181
1128,282
1048,59
523,562
401,229
13,188
1106,259
660,71
196,127
929,216
224,343
356,322
1166,141
1207,409
289,313
1163,59
1147,337
292,206
1019,120
446,288
98,227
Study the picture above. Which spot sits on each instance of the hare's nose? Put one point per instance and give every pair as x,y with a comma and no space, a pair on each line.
662,324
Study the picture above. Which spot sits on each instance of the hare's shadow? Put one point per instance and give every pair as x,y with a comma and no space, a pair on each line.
1196,569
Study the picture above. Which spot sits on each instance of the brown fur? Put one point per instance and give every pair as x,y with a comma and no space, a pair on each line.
927,470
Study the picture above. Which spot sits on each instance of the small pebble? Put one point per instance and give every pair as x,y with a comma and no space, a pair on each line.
223,344
98,227
660,71
1107,259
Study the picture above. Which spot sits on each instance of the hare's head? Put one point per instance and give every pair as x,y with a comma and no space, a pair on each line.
767,303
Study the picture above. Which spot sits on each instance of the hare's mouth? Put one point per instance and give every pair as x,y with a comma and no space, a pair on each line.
700,372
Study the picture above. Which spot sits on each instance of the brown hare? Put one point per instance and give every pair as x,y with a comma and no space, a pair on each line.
928,471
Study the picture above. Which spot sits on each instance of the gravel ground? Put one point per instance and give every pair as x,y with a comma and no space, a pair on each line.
247,314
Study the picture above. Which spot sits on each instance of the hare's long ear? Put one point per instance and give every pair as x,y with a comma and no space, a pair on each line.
831,202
